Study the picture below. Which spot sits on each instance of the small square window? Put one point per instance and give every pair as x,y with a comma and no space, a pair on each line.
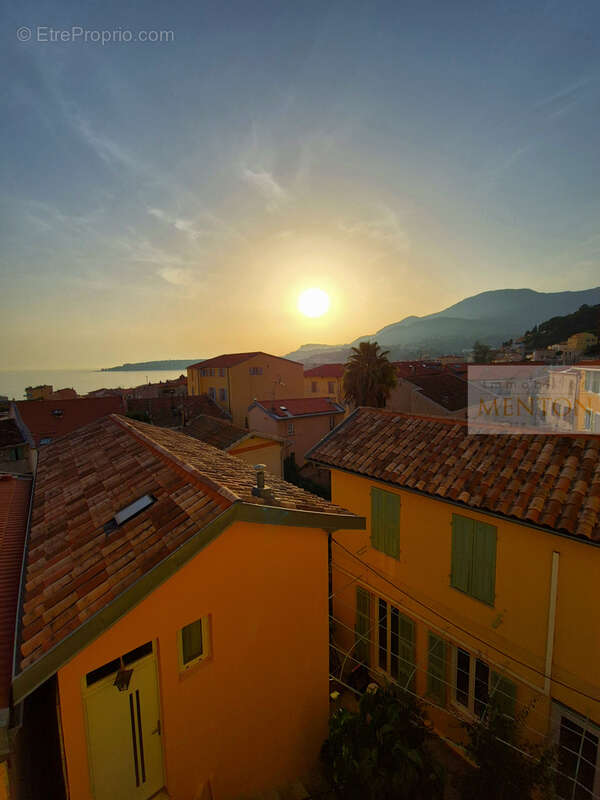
193,643
290,429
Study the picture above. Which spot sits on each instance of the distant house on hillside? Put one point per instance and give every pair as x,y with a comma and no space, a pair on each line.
234,380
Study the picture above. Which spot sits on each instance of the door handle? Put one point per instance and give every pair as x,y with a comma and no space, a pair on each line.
157,729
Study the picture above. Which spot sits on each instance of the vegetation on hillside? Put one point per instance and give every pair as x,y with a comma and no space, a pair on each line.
369,377
558,329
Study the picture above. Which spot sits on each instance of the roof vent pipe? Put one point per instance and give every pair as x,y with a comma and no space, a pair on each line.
260,490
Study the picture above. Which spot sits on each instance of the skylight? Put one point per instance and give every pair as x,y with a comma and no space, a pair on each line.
129,511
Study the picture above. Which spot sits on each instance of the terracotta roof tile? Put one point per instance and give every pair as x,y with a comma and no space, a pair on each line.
10,435
326,371
233,359
215,432
299,407
49,419
553,481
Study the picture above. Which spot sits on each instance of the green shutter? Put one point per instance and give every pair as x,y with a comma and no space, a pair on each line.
385,522
377,518
436,669
363,625
462,552
483,574
406,652
504,694
392,524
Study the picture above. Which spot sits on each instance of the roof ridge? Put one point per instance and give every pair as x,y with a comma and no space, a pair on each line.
201,477
406,415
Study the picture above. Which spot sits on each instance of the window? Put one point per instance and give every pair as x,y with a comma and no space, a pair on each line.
362,634
290,429
204,373
385,522
193,643
313,387
474,558
587,423
331,387
436,668
222,395
212,393
221,372
475,683
396,644
578,773
16,453
255,370
130,511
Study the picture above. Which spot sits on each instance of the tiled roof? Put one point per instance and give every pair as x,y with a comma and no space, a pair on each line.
445,389
325,371
63,394
10,435
550,481
74,568
233,359
299,407
14,507
167,411
49,419
216,432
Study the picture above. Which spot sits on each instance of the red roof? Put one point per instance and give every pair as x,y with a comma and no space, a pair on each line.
547,480
14,508
49,419
300,407
444,388
325,371
233,359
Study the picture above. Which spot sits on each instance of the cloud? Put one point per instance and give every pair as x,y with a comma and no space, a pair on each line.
383,229
176,275
266,185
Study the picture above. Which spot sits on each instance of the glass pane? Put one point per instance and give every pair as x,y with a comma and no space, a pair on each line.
482,682
394,643
383,634
577,761
463,670
191,641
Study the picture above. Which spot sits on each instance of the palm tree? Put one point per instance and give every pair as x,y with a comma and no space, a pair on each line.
369,377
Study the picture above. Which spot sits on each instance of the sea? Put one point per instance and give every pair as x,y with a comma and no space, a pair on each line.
13,383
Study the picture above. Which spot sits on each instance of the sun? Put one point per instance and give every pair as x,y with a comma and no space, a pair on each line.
313,302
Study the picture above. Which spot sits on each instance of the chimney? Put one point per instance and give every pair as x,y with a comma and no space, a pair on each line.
260,490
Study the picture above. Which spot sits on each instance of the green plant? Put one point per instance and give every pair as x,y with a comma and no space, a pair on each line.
508,766
369,376
380,752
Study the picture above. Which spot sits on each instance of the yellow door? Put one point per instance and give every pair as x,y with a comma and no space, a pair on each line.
124,735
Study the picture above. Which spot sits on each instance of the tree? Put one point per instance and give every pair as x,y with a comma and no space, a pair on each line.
482,353
508,766
380,752
369,377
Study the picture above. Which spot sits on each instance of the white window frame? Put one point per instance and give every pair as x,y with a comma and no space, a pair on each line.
185,666
558,711
468,710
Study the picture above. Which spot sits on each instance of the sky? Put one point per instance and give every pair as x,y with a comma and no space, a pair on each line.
171,199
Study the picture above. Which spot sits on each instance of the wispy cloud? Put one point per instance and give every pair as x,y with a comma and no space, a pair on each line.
267,186
384,229
177,276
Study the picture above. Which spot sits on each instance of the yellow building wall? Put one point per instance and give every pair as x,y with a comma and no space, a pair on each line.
257,450
322,388
280,378
511,636
254,714
586,401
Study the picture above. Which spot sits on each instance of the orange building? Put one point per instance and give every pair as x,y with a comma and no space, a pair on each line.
300,422
473,578
173,626
234,380
326,380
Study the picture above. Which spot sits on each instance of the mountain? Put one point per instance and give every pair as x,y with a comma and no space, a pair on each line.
492,317
138,366
558,329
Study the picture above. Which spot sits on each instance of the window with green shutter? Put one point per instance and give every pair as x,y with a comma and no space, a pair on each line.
385,522
504,693
362,646
436,668
474,558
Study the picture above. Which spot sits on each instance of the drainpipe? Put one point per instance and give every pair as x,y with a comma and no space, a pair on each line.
551,622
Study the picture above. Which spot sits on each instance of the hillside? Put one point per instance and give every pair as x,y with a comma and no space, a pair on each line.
178,363
492,317
557,329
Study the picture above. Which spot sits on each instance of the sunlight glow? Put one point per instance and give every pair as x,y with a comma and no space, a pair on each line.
313,302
